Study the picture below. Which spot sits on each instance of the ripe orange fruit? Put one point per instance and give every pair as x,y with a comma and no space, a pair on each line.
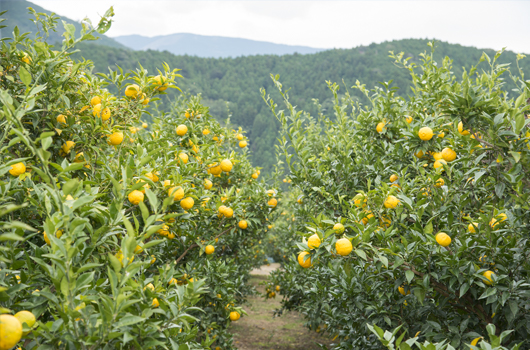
205,132
313,241
425,133
393,177
272,202
401,290
443,239
255,175
96,100
135,197
488,275
338,228
216,170
448,154
440,182
439,164
234,316
243,144
67,146
226,165
243,224
155,303
61,119
343,246
161,83
305,264
177,192
498,219
207,184
391,202
132,91
228,212
10,331
380,127
184,157
471,227
187,203
25,317
17,169
209,249
182,130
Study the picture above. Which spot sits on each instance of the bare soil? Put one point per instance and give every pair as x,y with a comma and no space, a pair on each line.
261,331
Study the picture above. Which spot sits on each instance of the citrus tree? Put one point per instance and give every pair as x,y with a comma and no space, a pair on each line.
117,234
414,211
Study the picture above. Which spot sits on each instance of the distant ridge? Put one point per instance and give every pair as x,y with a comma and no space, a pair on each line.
210,46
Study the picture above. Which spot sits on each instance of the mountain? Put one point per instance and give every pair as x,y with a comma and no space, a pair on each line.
238,80
18,15
210,46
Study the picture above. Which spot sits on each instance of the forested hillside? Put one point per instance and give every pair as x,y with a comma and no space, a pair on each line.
18,15
238,80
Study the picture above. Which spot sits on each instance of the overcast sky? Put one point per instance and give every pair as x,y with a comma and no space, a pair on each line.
321,24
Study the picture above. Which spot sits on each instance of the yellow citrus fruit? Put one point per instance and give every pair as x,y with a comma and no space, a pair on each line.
234,316
255,175
437,155
461,129
187,203
96,100
184,157
177,192
338,228
401,290
205,132
26,317
408,118
209,249
239,137
243,144
116,138
207,184
10,331
132,91
448,154
343,246
226,165
440,182
61,119
441,135
498,219
443,239
391,202
144,125
471,227
425,133
439,164
152,177
243,224
228,212
150,286
161,82
164,231
138,249
488,275
272,202
380,127
67,146
305,264
182,130
216,169
419,154
136,197
313,241
155,303
393,177
17,169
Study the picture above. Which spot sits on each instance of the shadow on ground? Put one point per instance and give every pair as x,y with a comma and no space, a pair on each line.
261,331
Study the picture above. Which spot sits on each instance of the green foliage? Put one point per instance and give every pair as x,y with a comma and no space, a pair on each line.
397,275
95,243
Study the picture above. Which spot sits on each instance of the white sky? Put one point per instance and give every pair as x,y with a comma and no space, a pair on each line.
322,24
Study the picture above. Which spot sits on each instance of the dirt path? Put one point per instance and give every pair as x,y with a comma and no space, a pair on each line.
260,331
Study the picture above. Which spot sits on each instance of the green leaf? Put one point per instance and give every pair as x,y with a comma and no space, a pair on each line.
428,228
409,275
128,320
25,76
10,237
516,156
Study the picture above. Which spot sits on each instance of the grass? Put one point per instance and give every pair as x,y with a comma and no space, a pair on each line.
261,331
